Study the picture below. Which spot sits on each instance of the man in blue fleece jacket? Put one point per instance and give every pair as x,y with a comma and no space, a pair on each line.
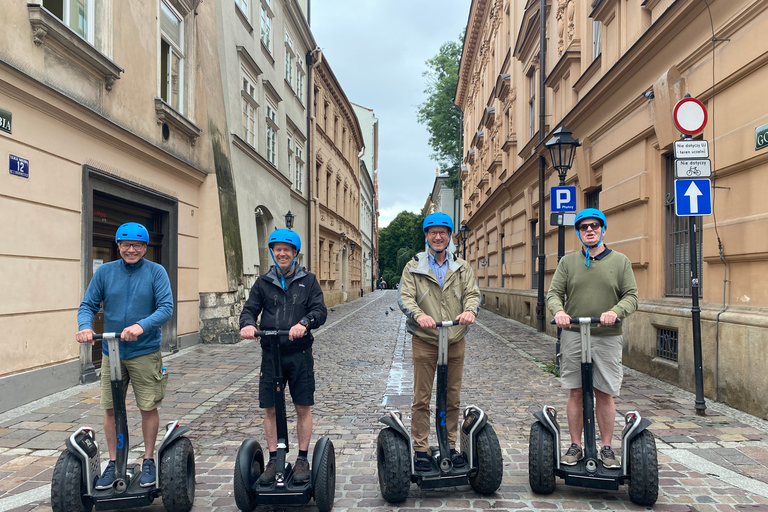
137,301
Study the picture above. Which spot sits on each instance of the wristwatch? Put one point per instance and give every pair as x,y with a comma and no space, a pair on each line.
305,323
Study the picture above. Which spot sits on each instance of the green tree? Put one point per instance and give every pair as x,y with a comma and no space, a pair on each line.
439,114
398,242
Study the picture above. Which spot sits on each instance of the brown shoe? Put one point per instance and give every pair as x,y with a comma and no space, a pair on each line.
301,471
573,455
268,476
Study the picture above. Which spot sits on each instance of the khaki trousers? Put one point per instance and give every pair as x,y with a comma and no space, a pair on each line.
424,367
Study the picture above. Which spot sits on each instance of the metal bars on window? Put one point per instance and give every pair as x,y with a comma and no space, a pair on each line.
666,344
677,257
592,198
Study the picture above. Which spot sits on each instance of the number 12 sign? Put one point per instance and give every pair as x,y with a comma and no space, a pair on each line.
18,166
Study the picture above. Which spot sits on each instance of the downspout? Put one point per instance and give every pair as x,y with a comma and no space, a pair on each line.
540,314
312,61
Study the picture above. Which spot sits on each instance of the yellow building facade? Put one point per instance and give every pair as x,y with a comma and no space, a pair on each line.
614,71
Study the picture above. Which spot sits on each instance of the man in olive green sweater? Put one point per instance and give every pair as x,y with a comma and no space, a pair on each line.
596,282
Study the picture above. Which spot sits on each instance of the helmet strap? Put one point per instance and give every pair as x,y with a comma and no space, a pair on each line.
587,257
282,274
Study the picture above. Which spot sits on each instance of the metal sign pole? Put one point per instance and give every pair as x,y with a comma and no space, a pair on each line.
701,405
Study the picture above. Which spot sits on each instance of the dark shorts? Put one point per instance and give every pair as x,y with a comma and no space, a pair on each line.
298,372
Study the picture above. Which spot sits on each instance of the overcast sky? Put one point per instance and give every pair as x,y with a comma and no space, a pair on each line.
378,49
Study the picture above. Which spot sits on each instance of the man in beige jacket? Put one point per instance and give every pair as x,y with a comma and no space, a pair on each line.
437,286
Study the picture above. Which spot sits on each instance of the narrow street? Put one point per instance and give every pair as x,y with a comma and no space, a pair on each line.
362,362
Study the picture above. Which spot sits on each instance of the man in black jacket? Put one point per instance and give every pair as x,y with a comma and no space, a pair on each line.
288,298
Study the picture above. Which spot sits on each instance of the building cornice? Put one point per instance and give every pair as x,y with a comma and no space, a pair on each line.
472,38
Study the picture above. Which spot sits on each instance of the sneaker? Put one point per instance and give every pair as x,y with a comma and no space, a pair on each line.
301,471
573,455
421,462
268,475
457,459
148,473
610,460
107,477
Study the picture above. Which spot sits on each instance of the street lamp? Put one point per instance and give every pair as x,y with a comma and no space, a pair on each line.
289,219
562,148
463,235
352,246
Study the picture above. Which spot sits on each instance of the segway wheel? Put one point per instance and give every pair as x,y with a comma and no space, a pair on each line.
245,498
643,469
490,465
325,483
67,488
177,476
394,465
541,460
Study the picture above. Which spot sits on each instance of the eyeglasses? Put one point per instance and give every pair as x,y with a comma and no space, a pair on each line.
435,233
584,225
135,246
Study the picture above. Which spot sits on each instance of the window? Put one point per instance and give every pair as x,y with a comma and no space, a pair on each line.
76,14
250,108
592,198
503,259
678,247
299,168
266,26
271,131
289,54
171,57
299,81
532,103
534,255
596,38
666,344
243,6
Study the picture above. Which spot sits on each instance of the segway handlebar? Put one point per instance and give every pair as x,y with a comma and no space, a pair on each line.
584,320
107,336
447,323
280,332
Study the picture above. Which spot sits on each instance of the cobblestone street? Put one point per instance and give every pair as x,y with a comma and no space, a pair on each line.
717,462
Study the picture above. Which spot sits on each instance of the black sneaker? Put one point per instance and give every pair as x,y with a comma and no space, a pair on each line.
268,476
457,459
301,471
573,455
421,462
148,473
107,477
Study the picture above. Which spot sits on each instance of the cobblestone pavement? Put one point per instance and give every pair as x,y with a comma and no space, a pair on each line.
718,462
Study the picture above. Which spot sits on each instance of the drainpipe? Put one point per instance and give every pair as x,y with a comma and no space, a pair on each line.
540,314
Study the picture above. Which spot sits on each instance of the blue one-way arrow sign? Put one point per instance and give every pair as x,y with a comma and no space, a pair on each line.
693,198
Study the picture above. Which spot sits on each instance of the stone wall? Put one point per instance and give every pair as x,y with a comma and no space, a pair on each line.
219,316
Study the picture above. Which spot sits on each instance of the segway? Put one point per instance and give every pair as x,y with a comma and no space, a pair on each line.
639,466
478,445
78,467
249,462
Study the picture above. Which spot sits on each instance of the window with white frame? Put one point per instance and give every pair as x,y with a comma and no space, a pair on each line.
76,14
250,108
289,55
243,6
289,138
299,80
299,162
171,56
266,25
532,103
271,132
596,38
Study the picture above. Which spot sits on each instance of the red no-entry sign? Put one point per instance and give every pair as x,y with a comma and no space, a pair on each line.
690,116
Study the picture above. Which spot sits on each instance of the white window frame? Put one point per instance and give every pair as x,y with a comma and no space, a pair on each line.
266,25
271,132
299,81
88,31
178,51
532,103
244,6
299,169
289,56
248,94
597,30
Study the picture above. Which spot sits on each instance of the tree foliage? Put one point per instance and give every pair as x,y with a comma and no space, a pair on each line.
439,114
399,242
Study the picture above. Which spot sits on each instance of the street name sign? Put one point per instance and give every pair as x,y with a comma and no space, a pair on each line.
5,120
693,168
693,198
691,149
761,137
562,199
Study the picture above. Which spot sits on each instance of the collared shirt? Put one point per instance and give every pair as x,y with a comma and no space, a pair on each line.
439,269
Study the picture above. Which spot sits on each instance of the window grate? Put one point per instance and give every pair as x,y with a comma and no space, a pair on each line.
666,344
534,255
678,252
592,198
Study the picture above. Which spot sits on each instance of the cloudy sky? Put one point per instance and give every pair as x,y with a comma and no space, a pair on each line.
378,50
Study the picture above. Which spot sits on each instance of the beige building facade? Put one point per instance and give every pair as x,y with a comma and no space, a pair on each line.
112,112
337,145
614,72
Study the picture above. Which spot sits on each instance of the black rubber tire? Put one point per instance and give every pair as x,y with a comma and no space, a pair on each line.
490,464
177,476
541,460
245,498
325,484
393,459
643,469
67,489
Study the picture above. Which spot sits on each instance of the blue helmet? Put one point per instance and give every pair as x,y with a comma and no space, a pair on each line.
438,219
285,236
132,231
590,213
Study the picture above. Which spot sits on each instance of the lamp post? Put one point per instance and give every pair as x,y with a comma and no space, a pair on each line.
289,219
562,148
464,234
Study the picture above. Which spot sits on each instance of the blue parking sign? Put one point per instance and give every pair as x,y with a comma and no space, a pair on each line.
562,199
693,198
